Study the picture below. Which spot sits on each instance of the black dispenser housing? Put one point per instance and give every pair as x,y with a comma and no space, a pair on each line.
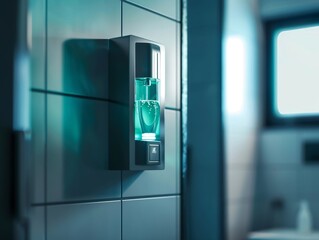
137,98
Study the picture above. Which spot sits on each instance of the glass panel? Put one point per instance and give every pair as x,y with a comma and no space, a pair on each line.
147,109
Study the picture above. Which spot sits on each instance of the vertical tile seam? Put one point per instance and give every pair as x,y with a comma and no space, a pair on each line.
121,215
178,215
150,10
177,64
178,99
178,123
45,118
121,18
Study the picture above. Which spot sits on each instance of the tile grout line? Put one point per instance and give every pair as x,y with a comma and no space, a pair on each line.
121,18
70,95
151,11
106,200
121,205
86,97
121,215
46,120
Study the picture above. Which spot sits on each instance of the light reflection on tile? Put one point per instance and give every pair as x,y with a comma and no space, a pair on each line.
78,151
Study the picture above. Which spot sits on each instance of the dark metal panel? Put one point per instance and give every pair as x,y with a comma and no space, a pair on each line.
8,40
124,149
203,194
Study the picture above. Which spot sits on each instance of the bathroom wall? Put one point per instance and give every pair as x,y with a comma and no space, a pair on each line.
283,177
74,195
241,71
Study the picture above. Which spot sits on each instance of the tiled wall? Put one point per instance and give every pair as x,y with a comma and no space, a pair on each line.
284,177
75,196
241,112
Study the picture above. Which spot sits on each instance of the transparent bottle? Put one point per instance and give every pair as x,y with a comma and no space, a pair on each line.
147,109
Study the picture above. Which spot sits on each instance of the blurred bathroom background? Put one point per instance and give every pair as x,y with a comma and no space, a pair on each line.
266,172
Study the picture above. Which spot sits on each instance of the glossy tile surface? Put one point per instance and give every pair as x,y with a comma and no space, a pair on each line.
153,218
144,24
277,184
71,24
280,147
240,147
308,177
240,183
37,51
78,151
98,221
265,216
85,67
155,182
238,219
169,8
38,146
37,223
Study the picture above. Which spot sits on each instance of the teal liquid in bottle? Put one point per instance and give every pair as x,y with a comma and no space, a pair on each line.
147,109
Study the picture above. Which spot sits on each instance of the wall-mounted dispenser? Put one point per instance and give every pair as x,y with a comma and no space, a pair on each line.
137,95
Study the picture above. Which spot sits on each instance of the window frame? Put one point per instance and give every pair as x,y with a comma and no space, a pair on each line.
272,28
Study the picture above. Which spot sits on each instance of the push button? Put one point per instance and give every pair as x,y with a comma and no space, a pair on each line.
153,153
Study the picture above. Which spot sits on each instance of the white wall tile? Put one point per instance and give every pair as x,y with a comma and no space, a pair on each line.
280,147
38,146
78,20
238,220
240,184
37,223
308,177
98,221
277,183
152,218
169,8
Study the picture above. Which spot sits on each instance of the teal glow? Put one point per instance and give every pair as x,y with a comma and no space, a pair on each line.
147,109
